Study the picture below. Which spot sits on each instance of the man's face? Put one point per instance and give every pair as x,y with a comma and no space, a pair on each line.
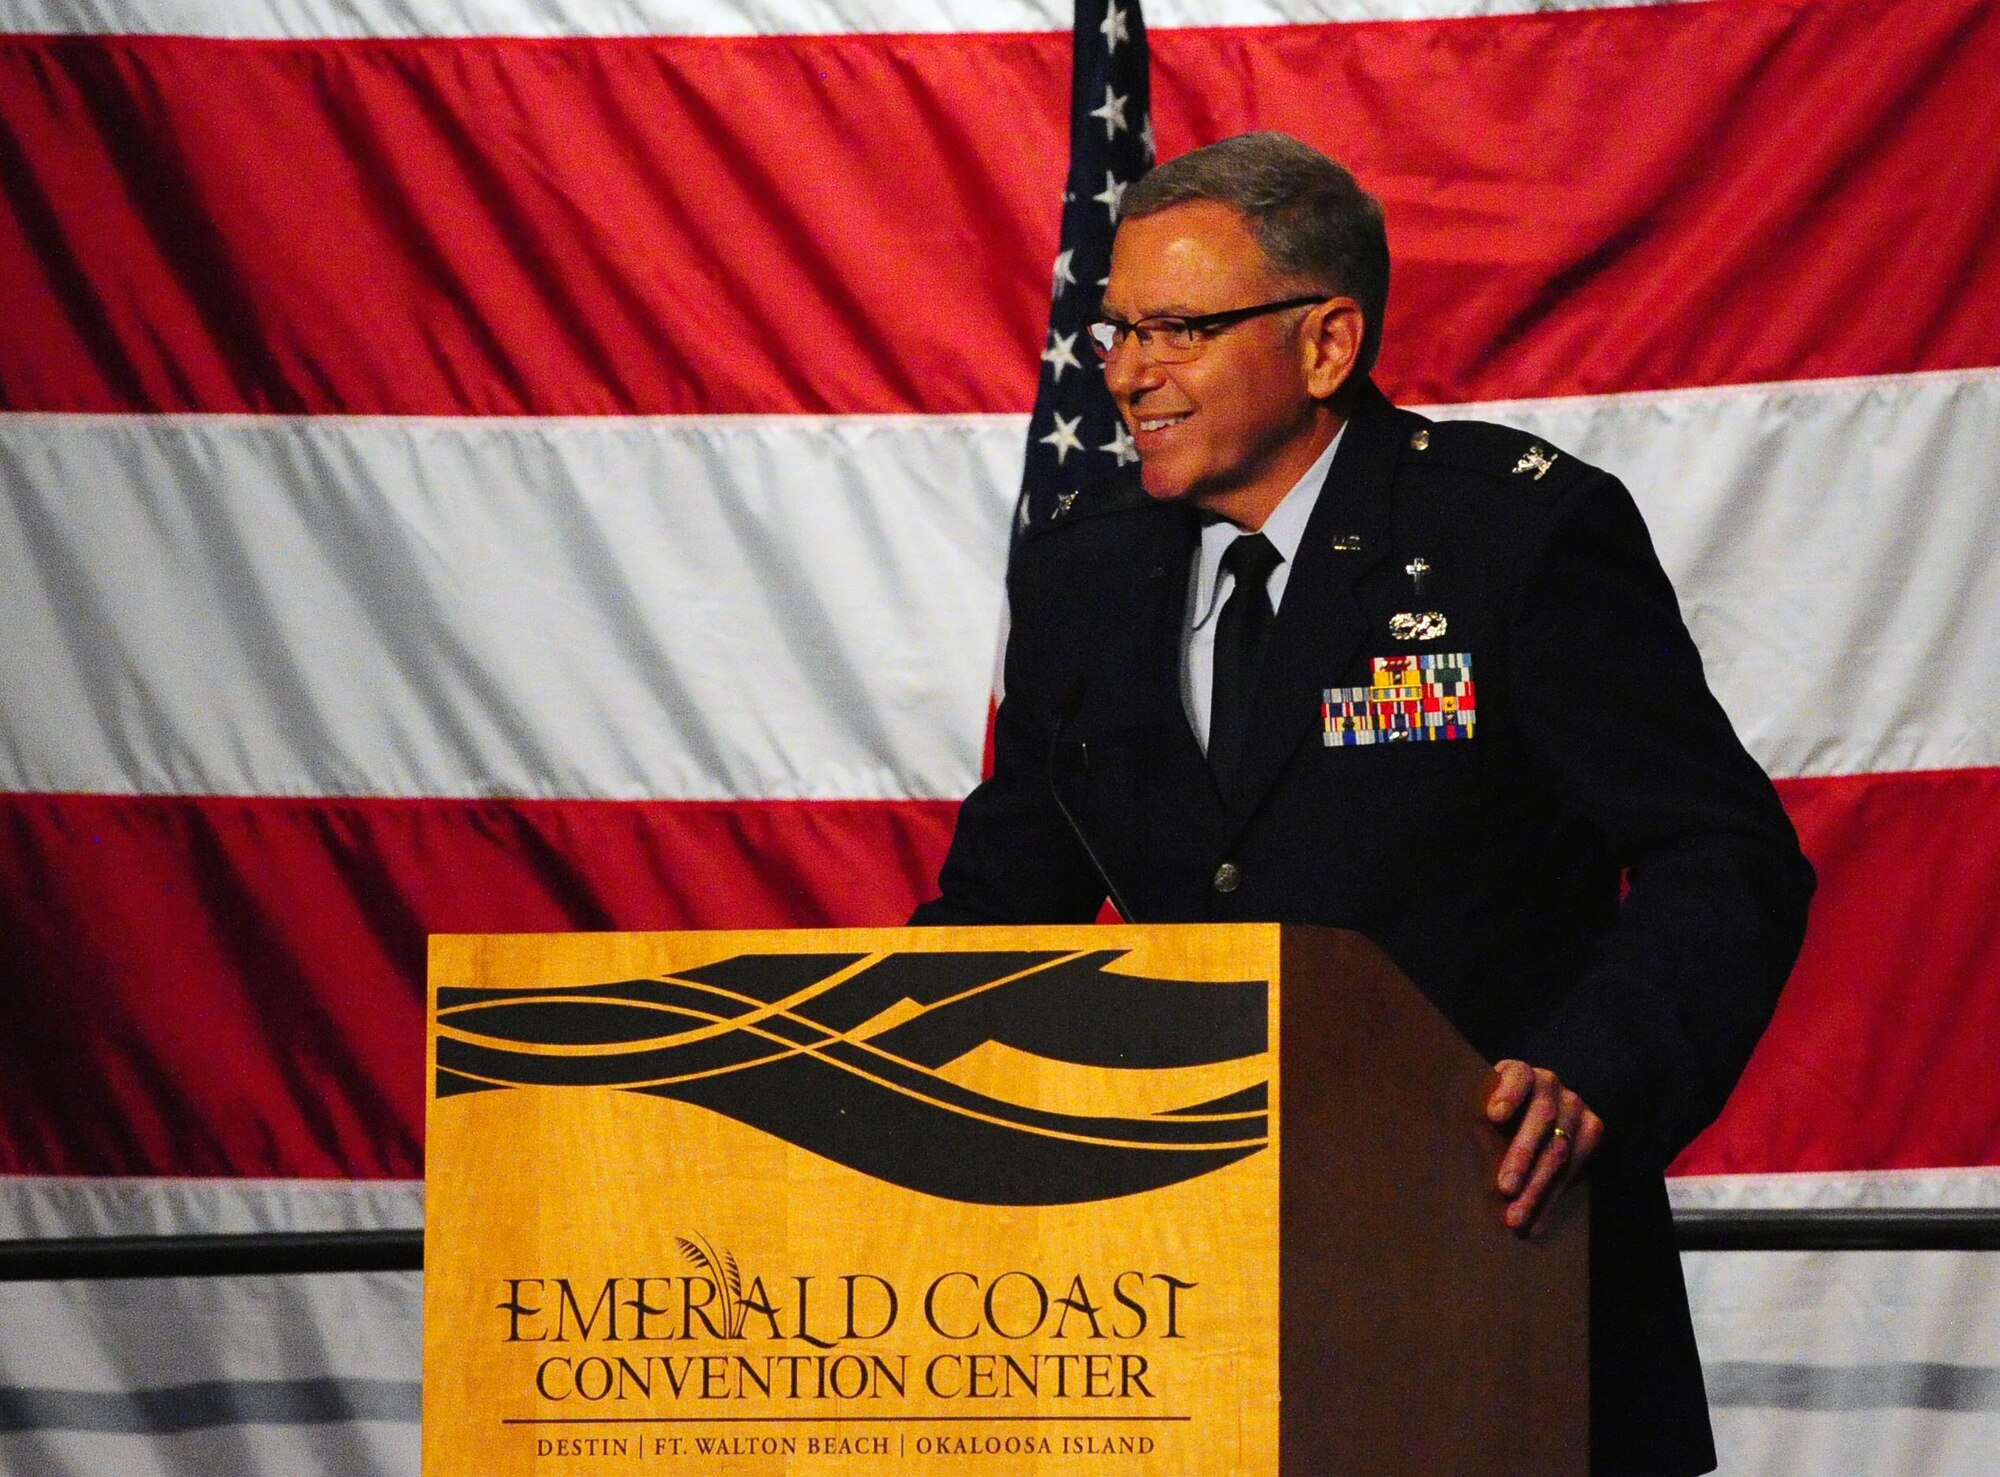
1233,428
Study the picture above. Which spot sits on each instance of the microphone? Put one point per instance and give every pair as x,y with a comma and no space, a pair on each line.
1063,716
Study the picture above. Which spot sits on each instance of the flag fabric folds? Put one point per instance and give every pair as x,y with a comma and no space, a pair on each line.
518,466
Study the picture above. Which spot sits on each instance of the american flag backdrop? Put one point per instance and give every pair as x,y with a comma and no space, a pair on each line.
1075,435
549,464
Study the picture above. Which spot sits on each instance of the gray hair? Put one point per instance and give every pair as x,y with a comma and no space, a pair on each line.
1316,224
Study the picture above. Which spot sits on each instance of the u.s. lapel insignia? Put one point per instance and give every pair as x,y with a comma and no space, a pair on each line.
1065,502
1422,625
1537,460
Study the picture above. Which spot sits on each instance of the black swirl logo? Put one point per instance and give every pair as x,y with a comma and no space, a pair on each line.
868,1060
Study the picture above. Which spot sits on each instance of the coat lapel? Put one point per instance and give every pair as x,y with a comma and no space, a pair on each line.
1175,754
1135,663
1320,626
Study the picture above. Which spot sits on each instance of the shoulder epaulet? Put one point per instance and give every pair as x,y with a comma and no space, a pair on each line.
1119,492
1502,452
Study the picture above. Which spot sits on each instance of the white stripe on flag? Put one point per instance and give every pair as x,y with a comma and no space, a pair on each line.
354,19
1831,544
796,607
1848,1189
53,1207
1824,1364
784,608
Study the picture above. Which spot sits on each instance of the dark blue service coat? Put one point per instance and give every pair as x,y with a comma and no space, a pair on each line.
1580,865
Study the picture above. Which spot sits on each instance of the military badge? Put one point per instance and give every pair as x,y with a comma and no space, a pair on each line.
1423,625
1537,460
1420,698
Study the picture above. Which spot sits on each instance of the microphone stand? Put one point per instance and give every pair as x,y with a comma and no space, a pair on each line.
1055,792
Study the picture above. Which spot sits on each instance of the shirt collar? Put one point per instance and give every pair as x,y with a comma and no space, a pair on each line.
1285,528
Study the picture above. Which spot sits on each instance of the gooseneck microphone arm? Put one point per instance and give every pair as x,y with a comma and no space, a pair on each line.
1055,792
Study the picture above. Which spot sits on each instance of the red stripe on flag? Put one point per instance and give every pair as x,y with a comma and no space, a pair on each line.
1883,1052
234,987
1601,200
1596,201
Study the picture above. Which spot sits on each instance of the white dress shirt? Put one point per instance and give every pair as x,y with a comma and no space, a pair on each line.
1209,587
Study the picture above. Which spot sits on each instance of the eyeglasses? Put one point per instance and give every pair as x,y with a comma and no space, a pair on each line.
1175,340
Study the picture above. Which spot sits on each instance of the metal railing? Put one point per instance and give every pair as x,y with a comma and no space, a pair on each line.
294,1253
1838,1230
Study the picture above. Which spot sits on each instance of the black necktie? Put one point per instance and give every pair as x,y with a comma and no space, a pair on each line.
1239,642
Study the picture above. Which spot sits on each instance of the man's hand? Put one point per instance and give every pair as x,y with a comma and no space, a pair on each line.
1555,1137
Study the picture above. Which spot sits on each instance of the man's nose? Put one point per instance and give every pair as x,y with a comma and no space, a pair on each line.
1130,370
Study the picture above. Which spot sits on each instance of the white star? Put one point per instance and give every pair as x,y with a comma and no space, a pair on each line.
1064,276
1113,113
1146,138
1063,437
1112,195
1114,30
1122,445
1061,353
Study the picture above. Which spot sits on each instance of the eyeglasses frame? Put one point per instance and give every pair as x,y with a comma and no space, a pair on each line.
1201,323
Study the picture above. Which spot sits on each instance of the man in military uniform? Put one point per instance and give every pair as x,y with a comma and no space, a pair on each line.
1325,661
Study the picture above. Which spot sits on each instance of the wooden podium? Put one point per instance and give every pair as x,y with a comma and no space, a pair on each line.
1191,1200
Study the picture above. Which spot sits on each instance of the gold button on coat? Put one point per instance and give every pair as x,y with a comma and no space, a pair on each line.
1227,878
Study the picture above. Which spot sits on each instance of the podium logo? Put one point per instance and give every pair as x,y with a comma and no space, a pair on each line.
725,1277
1003,1078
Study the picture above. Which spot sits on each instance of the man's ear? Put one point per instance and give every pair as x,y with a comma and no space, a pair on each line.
1332,345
